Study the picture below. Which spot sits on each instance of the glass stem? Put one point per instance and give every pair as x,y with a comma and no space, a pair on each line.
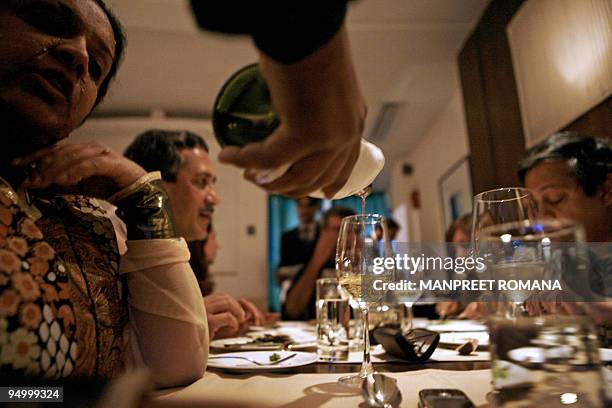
366,366
408,318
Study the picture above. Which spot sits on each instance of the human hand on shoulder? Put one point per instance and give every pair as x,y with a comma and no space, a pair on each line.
84,168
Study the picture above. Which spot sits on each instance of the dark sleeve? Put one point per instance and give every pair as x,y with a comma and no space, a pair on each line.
286,31
285,250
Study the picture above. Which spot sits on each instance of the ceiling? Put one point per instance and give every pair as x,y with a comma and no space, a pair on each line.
404,51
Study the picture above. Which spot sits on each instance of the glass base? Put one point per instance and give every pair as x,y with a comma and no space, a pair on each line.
355,380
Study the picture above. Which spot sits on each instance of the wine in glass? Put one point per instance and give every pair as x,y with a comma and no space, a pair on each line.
358,247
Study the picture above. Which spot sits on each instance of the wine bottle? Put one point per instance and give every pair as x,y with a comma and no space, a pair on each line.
243,113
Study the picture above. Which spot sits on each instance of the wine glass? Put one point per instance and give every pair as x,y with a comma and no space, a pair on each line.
531,250
500,206
407,296
358,247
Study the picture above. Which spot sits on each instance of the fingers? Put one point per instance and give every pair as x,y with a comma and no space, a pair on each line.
221,303
339,180
66,166
449,308
277,149
472,311
254,316
536,308
67,151
325,170
314,167
225,321
302,178
271,317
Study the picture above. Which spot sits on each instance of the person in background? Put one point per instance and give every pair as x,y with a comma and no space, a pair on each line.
300,303
188,177
203,254
297,244
392,227
570,176
305,59
62,310
459,234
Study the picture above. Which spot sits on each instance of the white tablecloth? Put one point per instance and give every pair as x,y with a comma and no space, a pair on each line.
315,390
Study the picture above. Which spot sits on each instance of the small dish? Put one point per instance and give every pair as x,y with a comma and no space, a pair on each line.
239,365
458,338
242,344
442,326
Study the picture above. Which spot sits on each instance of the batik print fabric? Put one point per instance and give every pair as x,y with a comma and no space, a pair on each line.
79,230
37,319
61,310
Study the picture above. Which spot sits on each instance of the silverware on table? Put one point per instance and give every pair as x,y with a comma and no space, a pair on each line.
381,391
257,363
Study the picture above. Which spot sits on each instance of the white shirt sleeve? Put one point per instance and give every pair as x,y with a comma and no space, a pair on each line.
168,326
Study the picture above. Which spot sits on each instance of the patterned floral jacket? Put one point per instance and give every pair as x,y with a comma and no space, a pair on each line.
62,311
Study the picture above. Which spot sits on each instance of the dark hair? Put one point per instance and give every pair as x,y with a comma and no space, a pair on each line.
463,223
589,159
312,201
157,149
120,44
391,224
338,211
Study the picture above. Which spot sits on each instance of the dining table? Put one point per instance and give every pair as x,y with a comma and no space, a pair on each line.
315,384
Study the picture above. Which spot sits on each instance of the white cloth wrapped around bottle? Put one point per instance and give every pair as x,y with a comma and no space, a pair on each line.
369,164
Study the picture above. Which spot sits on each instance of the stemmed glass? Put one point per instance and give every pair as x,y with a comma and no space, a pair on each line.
500,206
358,246
496,207
530,250
406,297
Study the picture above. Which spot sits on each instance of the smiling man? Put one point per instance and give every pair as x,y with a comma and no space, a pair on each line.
188,177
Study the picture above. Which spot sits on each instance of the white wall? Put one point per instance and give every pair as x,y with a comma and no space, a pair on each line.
442,146
241,266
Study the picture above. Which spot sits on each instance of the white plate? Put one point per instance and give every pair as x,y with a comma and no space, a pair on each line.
605,354
231,364
508,375
241,343
536,355
457,326
457,339
302,346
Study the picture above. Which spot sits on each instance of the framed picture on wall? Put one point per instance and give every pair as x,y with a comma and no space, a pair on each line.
456,191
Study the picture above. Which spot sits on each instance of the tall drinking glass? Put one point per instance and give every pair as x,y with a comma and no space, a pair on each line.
540,358
358,247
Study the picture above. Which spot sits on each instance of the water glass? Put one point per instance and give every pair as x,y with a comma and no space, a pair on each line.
546,361
333,315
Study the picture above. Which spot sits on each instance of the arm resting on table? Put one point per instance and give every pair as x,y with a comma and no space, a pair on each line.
168,320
